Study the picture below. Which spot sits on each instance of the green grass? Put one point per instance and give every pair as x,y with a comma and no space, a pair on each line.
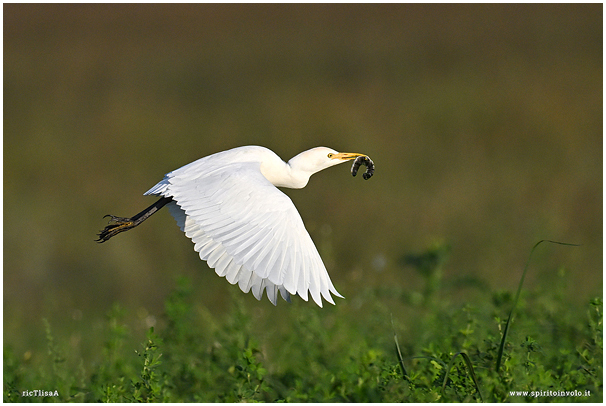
453,355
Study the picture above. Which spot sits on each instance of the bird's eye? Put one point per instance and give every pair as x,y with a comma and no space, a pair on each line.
330,155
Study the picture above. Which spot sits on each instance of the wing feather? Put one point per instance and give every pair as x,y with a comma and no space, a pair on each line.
247,230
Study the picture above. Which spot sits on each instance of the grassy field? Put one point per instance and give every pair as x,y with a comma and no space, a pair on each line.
485,123
194,356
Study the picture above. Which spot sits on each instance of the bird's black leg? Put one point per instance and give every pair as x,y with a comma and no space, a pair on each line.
120,224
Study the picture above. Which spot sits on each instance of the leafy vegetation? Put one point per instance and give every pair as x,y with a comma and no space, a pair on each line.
452,356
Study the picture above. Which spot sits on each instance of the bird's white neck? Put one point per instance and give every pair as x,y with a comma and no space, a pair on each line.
282,174
295,174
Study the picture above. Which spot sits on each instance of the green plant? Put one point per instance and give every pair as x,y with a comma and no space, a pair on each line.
328,355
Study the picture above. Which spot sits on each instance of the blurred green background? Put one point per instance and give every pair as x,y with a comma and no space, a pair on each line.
484,122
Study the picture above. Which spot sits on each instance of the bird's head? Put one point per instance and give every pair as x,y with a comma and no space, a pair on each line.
302,166
315,159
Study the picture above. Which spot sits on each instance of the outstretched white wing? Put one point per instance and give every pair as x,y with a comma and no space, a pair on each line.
247,230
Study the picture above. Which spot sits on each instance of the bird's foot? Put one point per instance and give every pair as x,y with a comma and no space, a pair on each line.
119,225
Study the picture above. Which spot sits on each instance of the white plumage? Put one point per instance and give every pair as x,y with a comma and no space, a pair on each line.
244,227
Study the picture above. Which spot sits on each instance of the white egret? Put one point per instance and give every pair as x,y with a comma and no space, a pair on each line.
242,225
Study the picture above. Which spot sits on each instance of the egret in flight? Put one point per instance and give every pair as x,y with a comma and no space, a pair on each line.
242,225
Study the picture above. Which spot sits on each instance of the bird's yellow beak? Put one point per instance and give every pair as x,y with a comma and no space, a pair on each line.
346,156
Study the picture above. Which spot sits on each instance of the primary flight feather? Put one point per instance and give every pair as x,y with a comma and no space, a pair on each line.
242,225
